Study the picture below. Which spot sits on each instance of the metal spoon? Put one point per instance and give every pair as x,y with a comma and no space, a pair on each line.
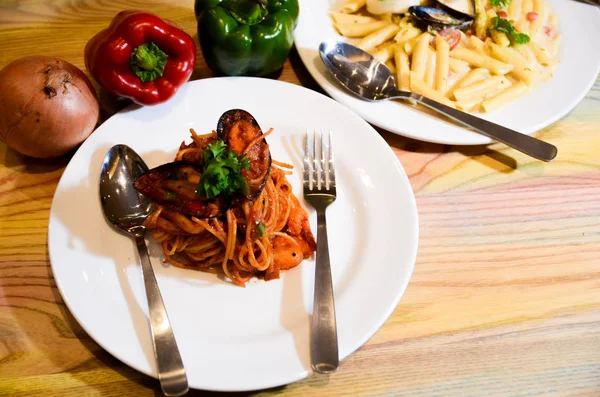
370,79
126,210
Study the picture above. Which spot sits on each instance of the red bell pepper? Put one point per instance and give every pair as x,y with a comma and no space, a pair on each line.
141,57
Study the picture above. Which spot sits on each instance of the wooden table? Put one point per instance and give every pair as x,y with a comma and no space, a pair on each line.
505,295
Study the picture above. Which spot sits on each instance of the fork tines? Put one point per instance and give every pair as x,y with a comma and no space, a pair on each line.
319,165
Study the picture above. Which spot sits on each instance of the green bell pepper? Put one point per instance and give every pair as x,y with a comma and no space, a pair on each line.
246,37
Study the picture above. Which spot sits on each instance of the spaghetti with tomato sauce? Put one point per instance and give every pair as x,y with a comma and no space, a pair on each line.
258,232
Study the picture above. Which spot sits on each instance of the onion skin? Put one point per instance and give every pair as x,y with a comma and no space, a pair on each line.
47,106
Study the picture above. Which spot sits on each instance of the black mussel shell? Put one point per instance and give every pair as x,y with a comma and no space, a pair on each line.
438,19
173,185
238,128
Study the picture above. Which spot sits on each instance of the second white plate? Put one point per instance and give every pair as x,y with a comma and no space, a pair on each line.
580,64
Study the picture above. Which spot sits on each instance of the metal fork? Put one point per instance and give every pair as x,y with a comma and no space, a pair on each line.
319,192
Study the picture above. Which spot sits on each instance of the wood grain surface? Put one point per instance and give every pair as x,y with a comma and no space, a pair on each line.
504,299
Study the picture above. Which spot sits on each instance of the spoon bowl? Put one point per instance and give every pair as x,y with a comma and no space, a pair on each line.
369,79
126,210
124,207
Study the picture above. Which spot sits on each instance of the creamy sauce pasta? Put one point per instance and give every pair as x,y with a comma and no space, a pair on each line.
475,63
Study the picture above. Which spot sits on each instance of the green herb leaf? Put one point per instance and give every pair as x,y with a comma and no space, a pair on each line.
500,3
504,25
222,171
260,228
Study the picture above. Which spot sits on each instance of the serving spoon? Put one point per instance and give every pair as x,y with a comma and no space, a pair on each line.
370,79
126,210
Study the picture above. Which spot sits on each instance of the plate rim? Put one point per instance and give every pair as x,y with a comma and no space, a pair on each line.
411,258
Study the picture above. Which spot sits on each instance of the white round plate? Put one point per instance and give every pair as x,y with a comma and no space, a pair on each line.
577,72
234,338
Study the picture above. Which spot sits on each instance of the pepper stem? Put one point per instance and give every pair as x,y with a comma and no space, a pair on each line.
148,62
248,12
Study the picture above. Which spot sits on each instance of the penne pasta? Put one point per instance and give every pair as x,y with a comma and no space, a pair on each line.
479,71
476,44
473,76
478,90
500,38
402,69
481,21
359,29
391,66
542,11
430,70
452,82
473,103
523,24
458,66
527,7
376,38
553,46
527,54
491,13
481,61
514,10
504,97
386,52
520,69
341,17
442,66
418,86
545,74
467,106
386,17
469,78
420,56
410,44
351,6
406,34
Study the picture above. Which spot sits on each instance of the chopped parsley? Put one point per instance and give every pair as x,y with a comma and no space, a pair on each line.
260,228
500,3
221,171
504,25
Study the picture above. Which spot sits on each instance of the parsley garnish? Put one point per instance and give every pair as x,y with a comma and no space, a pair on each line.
221,171
504,25
260,228
500,3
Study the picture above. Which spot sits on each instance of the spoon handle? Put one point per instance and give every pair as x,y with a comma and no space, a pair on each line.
171,373
524,143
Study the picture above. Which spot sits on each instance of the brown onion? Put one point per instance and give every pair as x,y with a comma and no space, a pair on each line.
47,106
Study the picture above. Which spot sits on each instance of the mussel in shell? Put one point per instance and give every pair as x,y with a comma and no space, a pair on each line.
241,132
173,185
438,18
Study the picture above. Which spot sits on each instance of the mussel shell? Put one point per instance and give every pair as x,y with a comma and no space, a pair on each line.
238,128
165,185
438,18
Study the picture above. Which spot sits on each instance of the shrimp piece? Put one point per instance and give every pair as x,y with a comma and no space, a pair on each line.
286,252
299,228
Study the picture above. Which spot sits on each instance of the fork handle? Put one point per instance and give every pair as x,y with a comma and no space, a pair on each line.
324,343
